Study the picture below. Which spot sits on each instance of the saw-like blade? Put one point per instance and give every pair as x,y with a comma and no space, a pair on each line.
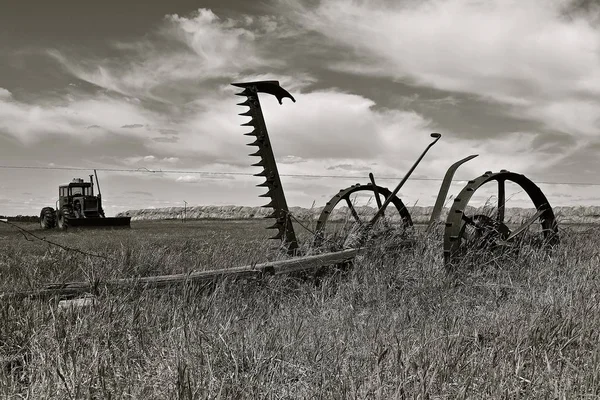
278,203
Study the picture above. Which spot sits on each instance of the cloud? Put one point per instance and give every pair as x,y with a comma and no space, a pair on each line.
290,160
27,122
167,131
528,55
201,178
182,51
132,126
140,193
5,94
172,139
348,167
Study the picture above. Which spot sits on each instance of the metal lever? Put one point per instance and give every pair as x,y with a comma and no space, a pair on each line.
387,201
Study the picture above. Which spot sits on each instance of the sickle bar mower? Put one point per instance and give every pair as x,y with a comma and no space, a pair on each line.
463,229
283,222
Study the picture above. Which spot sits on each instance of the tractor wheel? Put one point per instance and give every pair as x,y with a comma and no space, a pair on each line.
63,218
47,218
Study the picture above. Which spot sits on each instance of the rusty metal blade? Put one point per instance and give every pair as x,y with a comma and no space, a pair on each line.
444,188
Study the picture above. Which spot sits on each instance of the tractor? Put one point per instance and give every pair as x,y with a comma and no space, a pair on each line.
77,206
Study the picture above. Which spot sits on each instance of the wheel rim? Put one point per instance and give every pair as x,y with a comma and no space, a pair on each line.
494,227
327,234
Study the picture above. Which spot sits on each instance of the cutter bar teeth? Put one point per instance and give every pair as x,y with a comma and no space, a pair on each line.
261,173
268,194
279,236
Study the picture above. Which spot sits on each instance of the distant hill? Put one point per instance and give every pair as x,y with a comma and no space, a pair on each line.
575,215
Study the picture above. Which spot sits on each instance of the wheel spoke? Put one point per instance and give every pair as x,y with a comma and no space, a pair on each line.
525,225
377,199
501,200
352,210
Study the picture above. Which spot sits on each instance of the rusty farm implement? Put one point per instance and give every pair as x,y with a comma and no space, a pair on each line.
463,227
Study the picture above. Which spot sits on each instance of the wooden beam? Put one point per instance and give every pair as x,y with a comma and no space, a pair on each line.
270,268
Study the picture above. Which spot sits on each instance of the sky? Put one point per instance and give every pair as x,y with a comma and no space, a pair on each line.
145,86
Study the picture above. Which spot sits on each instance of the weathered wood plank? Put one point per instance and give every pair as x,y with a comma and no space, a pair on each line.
271,268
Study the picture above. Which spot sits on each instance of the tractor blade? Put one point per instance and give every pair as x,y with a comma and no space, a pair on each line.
113,222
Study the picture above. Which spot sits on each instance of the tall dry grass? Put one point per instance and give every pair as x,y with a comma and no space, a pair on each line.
394,326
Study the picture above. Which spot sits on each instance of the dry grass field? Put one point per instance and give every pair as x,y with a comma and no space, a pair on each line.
395,326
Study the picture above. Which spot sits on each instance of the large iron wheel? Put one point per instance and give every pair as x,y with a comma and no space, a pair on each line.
468,232
333,233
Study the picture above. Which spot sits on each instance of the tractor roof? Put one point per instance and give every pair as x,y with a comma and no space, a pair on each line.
77,182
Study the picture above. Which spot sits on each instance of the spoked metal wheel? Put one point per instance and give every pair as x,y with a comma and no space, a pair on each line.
352,208
474,233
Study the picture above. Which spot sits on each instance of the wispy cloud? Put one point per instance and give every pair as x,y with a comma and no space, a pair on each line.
182,50
526,54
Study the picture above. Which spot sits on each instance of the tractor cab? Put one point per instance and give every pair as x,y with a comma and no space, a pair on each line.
78,200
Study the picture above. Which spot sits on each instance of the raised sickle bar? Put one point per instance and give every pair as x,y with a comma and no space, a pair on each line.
271,268
283,222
